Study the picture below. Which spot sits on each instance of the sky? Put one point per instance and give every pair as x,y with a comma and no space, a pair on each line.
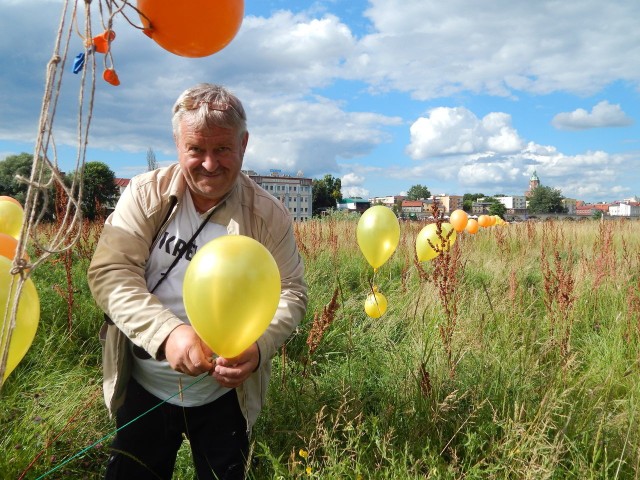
460,96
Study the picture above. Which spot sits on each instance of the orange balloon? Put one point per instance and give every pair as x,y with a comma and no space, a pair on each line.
459,219
194,28
472,226
4,198
484,221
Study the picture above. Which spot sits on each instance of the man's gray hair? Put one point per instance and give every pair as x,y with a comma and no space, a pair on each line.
208,105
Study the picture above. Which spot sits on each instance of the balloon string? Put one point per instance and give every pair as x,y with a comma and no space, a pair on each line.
93,445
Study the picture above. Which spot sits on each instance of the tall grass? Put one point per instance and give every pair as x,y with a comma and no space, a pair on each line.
516,358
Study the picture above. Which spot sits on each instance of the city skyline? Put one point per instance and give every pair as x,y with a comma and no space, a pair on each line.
383,94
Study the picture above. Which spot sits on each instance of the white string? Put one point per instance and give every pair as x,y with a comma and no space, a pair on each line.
45,172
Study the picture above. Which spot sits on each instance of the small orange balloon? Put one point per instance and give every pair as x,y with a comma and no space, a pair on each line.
110,76
484,221
196,28
4,198
459,219
102,42
472,226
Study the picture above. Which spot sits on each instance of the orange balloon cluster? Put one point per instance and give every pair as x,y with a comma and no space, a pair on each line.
196,28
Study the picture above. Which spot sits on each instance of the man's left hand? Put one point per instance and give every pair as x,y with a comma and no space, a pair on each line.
231,372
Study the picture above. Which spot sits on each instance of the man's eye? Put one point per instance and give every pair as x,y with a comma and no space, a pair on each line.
223,149
193,149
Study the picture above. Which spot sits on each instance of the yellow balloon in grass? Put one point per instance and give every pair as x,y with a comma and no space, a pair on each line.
428,238
231,291
11,215
376,304
27,315
378,234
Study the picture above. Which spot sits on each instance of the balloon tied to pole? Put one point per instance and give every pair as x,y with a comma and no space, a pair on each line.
378,235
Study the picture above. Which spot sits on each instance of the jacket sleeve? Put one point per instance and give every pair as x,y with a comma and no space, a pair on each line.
116,274
293,296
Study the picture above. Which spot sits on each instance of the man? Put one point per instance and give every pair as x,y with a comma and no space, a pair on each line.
151,353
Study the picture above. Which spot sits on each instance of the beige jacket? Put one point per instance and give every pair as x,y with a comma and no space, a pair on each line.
117,276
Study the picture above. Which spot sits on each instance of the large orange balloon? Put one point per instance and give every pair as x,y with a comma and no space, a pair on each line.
484,221
459,219
11,216
27,316
191,28
472,226
231,291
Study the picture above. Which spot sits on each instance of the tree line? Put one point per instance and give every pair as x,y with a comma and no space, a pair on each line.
101,192
99,188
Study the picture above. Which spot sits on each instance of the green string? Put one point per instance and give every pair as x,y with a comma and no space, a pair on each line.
85,450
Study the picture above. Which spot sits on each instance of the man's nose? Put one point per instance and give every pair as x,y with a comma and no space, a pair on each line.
210,162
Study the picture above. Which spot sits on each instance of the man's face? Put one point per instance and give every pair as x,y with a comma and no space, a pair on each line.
211,160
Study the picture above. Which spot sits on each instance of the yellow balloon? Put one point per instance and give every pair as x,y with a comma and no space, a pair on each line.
231,291
11,215
27,315
378,234
429,233
376,304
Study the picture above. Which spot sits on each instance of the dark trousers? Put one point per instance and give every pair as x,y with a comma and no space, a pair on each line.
147,448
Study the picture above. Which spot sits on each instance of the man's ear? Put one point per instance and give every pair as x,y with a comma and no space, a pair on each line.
245,141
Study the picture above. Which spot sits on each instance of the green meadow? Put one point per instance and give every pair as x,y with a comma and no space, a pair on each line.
513,356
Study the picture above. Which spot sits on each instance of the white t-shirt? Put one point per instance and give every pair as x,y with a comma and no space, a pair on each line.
157,377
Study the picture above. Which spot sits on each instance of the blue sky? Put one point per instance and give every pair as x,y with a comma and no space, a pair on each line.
460,96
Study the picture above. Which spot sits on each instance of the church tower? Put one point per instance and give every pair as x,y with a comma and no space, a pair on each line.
534,182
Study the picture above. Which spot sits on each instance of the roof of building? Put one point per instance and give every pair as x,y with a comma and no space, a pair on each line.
412,203
121,182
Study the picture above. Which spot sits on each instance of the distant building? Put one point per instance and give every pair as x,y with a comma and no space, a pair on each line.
448,203
515,205
295,193
121,183
356,205
534,182
388,201
480,206
625,209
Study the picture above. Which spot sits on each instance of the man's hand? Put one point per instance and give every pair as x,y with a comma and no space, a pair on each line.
231,372
186,353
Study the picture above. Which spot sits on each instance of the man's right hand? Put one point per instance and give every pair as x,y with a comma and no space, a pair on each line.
186,353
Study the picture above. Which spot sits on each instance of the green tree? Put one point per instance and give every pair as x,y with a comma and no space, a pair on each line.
152,163
418,192
10,167
21,165
468,199
497,208
546,200
100,190
326,193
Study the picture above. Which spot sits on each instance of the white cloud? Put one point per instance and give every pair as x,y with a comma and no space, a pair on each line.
603,114
436,49
457,130
352,186
354,192
351,180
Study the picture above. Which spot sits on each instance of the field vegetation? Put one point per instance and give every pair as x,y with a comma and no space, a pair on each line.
515,355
